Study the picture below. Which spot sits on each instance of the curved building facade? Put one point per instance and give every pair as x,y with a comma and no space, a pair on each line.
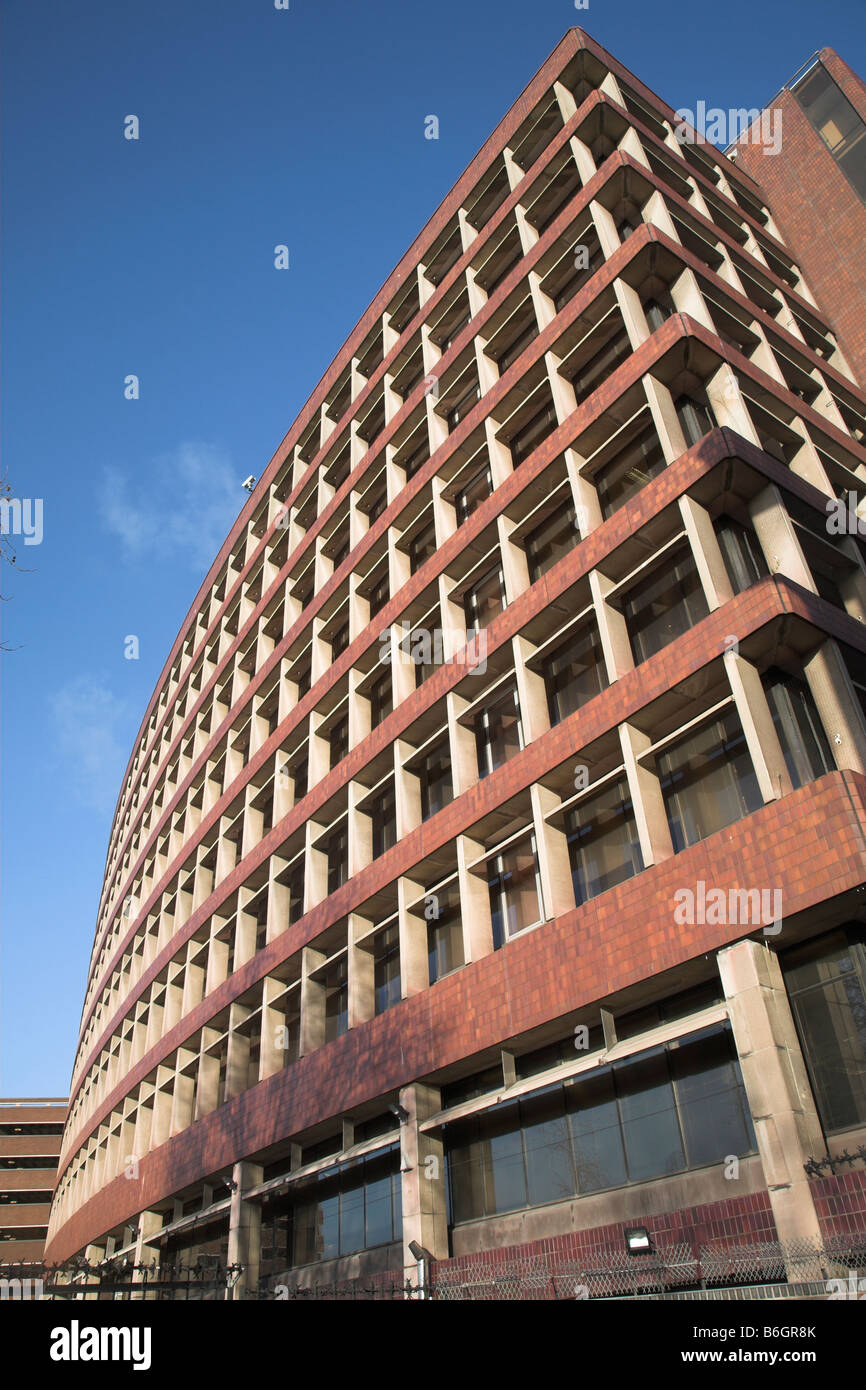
487,873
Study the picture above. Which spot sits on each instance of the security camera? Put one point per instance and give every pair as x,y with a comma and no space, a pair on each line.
249,483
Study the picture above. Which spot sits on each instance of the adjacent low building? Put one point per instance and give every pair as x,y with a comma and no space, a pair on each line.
486,884
30,1133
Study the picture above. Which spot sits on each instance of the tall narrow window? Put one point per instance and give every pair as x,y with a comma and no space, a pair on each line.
381,699
338,740
497,731
641,460
422,546
336,983
386,968
552,538
434,773
696,419
338,858
664,605
826,983
485,599
573,673
801,734
603,842
741,552
515,890
708,781
383,814
530,435
473,493
444,931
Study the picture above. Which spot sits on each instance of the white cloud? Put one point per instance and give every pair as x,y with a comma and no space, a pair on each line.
91,735
182,505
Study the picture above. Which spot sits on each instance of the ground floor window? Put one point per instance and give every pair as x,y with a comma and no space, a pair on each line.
352,1207
826,983
671,1108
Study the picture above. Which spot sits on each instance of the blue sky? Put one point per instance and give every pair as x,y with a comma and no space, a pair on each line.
258,126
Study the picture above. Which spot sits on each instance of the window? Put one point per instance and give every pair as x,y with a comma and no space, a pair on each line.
743,556
530,435
801,734
383,814
658,310
552,538
476,491
302,674
664,605
434,773
300,778
573,673
836,121
497,731
485,599
603,843
635,466
338,740
826,983
518,344
418,456
515,890
583,273
444,931
462,408
336,851
708,781
664,1111
696,419
381,699
339,641
601,365
422,546
379,595
336,985
353,1207
386,968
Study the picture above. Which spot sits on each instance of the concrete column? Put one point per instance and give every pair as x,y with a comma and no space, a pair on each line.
245,1230
707,552
515,570
422,1172
312,1002
838,706
665,418
777,1086
414,964
763,743
612,629
146,1249
778,539
650,814
554,865
475,912
531,692
729,407
464,756
361,971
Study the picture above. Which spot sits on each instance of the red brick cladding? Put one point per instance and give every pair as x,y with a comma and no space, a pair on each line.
840,1202
820,216
810,845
